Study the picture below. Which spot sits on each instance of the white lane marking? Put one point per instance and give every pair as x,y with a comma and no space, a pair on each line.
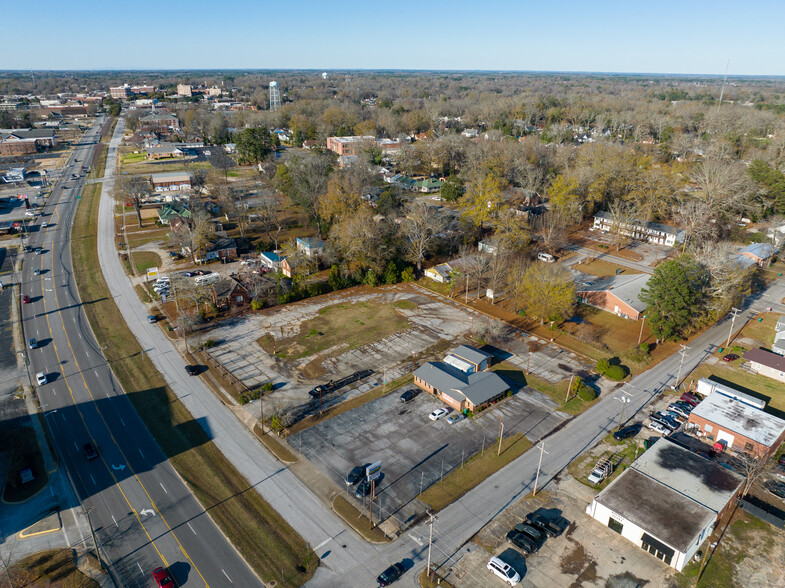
76,446
322,544
227,576
140,567
62,415
54,392
162,488
93,479
140,452
122,421
190,527
115,521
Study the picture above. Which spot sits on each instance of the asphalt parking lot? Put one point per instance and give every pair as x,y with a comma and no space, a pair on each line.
414,450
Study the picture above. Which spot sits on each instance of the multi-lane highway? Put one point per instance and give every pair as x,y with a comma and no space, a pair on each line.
143,514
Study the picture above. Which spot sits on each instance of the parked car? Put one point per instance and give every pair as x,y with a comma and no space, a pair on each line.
438,413
25,299
553,526
162,578
503,570
151,318
627,432
41,378
32,343
192,370
89,451
602,470
679,409
391,574
657,427
522,541
357,474
535,534
730,357
409,395
690,399
455,418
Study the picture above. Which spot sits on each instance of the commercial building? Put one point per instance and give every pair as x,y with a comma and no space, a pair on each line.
184,90
171,181
25,141
349,145
668,501
160,121
120,92
616,294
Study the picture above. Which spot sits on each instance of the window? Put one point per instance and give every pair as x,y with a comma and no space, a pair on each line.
708,428
615,525
748,446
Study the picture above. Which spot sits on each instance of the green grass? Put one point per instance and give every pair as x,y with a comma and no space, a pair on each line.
475,469
144,260
404,304
261,535
48,568
348,325
558,392
358,520
129,158
760,386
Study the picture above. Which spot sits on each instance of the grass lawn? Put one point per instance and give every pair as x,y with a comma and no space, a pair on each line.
277,448
23,452
144,260
154,168
358,520
55,567
558,392
475,469
348,325
602,268
128,158
756,385
762,332
261,535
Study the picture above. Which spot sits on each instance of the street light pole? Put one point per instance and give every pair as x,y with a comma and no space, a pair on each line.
640,335
430,540
683,352
735,311
539,465
624,401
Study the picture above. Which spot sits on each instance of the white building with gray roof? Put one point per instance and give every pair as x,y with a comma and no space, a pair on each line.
667,502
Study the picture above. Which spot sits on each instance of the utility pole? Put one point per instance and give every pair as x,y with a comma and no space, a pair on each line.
640,335
683,352
466,287
539,465
501,432
735,311
430,539
95,541
261,409
569,389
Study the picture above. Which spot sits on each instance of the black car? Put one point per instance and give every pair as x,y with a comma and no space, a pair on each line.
409,395
320,390
391,574
89,451
535,534
522,541
553,527
363,489
192,370
357,474
627,432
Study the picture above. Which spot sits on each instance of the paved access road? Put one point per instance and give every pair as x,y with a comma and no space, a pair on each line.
143,514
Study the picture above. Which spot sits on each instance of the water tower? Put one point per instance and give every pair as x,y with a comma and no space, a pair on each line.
275,96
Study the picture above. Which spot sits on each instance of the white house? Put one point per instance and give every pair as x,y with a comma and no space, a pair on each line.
641,231
439,273
667,502
270,259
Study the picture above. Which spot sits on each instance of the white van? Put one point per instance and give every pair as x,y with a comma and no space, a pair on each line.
208,279
546,257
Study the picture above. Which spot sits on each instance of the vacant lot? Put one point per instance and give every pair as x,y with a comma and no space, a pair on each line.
343,327
602,268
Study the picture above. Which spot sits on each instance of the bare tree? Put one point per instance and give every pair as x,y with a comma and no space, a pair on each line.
133,189
220,159
724,183
728,280
193,234
421,226
623,223
697,219
550,228
185,322
272,220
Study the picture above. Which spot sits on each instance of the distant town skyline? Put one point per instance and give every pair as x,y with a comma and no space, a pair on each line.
608,36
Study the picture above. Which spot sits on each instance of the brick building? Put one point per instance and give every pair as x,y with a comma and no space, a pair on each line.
736,420
616,294
349,145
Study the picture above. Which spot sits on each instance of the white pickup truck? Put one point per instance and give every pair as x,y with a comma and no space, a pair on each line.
602,470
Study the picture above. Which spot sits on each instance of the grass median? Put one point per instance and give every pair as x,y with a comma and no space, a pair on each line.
260,534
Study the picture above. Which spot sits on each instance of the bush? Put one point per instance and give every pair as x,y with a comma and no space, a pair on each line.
257,304
267,387
603,365
616,373
407,275
586,393
209,344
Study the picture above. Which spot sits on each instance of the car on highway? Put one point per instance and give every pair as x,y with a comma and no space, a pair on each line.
501,569
391,574
627,432
455,418
32,343
25,299
355,475
44,224
162,578
38,250
730,357
37,271
438,413
192,370
409,395
41,378
151,318
89,451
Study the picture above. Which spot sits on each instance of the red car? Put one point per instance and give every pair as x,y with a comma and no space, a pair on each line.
25,299
162,578
690,399
730,357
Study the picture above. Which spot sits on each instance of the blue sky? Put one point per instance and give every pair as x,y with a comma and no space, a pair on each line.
688,36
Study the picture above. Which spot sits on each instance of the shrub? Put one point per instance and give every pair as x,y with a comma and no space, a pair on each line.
616,373
407,275
209,344
586,393
257,304
267,387
602,365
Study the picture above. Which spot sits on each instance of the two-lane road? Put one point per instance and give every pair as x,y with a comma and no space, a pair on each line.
143,514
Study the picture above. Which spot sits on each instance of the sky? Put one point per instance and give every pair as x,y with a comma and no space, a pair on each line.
684,37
